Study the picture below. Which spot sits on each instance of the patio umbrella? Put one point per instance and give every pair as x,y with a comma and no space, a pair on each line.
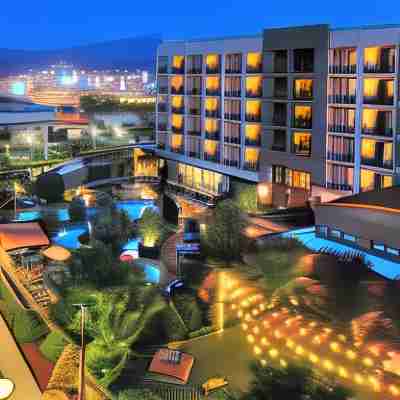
128,256
57,253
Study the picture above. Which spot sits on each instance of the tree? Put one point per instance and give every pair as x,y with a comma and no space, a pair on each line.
77,210
138,394
150,227
224,238
245,196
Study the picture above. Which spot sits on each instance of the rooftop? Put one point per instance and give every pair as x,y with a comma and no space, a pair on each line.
22,235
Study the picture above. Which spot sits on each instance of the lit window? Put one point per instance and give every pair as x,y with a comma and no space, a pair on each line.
378,246
254,62
349,238
178,63
302,117
302,143
253,86
177,84
303,88
392,251
335,233
212,63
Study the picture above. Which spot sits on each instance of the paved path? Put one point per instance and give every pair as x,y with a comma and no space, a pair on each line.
13,366
168,252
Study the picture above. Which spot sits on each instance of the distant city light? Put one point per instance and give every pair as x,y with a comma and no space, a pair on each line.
18,88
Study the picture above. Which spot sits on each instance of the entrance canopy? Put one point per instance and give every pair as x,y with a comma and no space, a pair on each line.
20,235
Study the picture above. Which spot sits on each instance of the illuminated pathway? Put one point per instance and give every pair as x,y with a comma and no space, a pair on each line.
279,336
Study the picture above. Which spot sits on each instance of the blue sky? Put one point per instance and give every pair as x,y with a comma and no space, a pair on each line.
46,24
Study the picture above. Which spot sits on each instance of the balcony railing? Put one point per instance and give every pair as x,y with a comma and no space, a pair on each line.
178,110
254,93
212,135
194,111
254,69
213,70
387,132
379,100
339,186
178,70
163,89
303,95
212,113
301,150
178,150
194,70
232,116
278,147
233,70
163,69
194,154
341,128
343,69
251,165
343,157
342,99
175,90
377,162
162,107
232,140
253,142
253,117
162,127
302,123
211,157
383,68
231,163
194,91
178,130
213,92
194,132
233,93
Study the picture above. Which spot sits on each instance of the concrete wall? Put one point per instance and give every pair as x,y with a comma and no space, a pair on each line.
365,223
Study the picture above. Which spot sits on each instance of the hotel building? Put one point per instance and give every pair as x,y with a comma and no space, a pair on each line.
303,111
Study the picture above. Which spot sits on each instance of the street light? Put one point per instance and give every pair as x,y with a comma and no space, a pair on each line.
6,388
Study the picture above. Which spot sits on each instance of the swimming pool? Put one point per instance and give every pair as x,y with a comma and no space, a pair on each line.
382,266
151,270
69,237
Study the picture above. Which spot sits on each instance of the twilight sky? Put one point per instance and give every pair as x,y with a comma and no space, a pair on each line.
47,24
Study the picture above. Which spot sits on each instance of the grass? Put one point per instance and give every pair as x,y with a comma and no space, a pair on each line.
53,346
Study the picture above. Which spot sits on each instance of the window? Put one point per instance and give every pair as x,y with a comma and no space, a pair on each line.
232,109
302,117
212,128
178,65
371,180
232,156
251,156
253,134
303,60
342,61
301,144
213,64
280,61
233,86
233,63
335,233
193,85
341,120
177,84
194,64
177,104
177,123
392,251
279,140
254,86
349,238
231,132
377,122
340,148
339,177
212,107
322,230
378,246
162,66
254,63
213,86
342,90
253,111
281,88
193,125
379,60
378,91
162,85
194,105
303,89
279,116
298,179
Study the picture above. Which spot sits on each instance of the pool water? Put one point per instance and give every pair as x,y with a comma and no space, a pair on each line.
386,268
151,271
69,237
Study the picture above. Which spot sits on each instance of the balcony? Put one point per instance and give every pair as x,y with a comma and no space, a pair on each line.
194,70
253,142
232,116
231,163
339,186
211,157
377,162
162,107
342,157
232,140
342,99
379,100
254,93
253,117
341,128
163,89
178,110
233,70
301,149
343,69
386,132
194,91
177,90
254,69
213,92
212,135
382,68
233,93
302,123
194,111
213,113
213,69
162,127
251,165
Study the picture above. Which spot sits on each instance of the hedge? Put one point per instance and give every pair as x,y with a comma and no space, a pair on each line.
53,346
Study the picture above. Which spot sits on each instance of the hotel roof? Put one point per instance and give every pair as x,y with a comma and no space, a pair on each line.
22,235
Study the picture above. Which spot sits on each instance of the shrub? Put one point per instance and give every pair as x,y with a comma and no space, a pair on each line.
53,346
173,328
138,394
77,210
28,327
201,332
189,310
245,196
150,227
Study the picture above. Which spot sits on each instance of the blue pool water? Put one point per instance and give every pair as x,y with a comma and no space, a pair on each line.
386,268
133,244
69,237
151,271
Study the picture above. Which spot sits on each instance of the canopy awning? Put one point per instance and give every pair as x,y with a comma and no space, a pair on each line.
19,235
57,253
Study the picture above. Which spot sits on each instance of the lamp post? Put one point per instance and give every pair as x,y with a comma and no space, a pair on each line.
7,388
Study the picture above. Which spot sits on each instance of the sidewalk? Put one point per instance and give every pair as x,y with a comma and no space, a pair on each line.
13,366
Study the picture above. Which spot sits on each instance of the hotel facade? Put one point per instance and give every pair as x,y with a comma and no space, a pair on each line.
302,112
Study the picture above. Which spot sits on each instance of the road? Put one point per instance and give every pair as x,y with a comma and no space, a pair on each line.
225,354
13,366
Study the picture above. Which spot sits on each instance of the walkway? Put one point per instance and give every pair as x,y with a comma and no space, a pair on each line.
13,366
168,252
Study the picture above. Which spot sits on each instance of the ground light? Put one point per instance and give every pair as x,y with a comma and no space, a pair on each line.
6,388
